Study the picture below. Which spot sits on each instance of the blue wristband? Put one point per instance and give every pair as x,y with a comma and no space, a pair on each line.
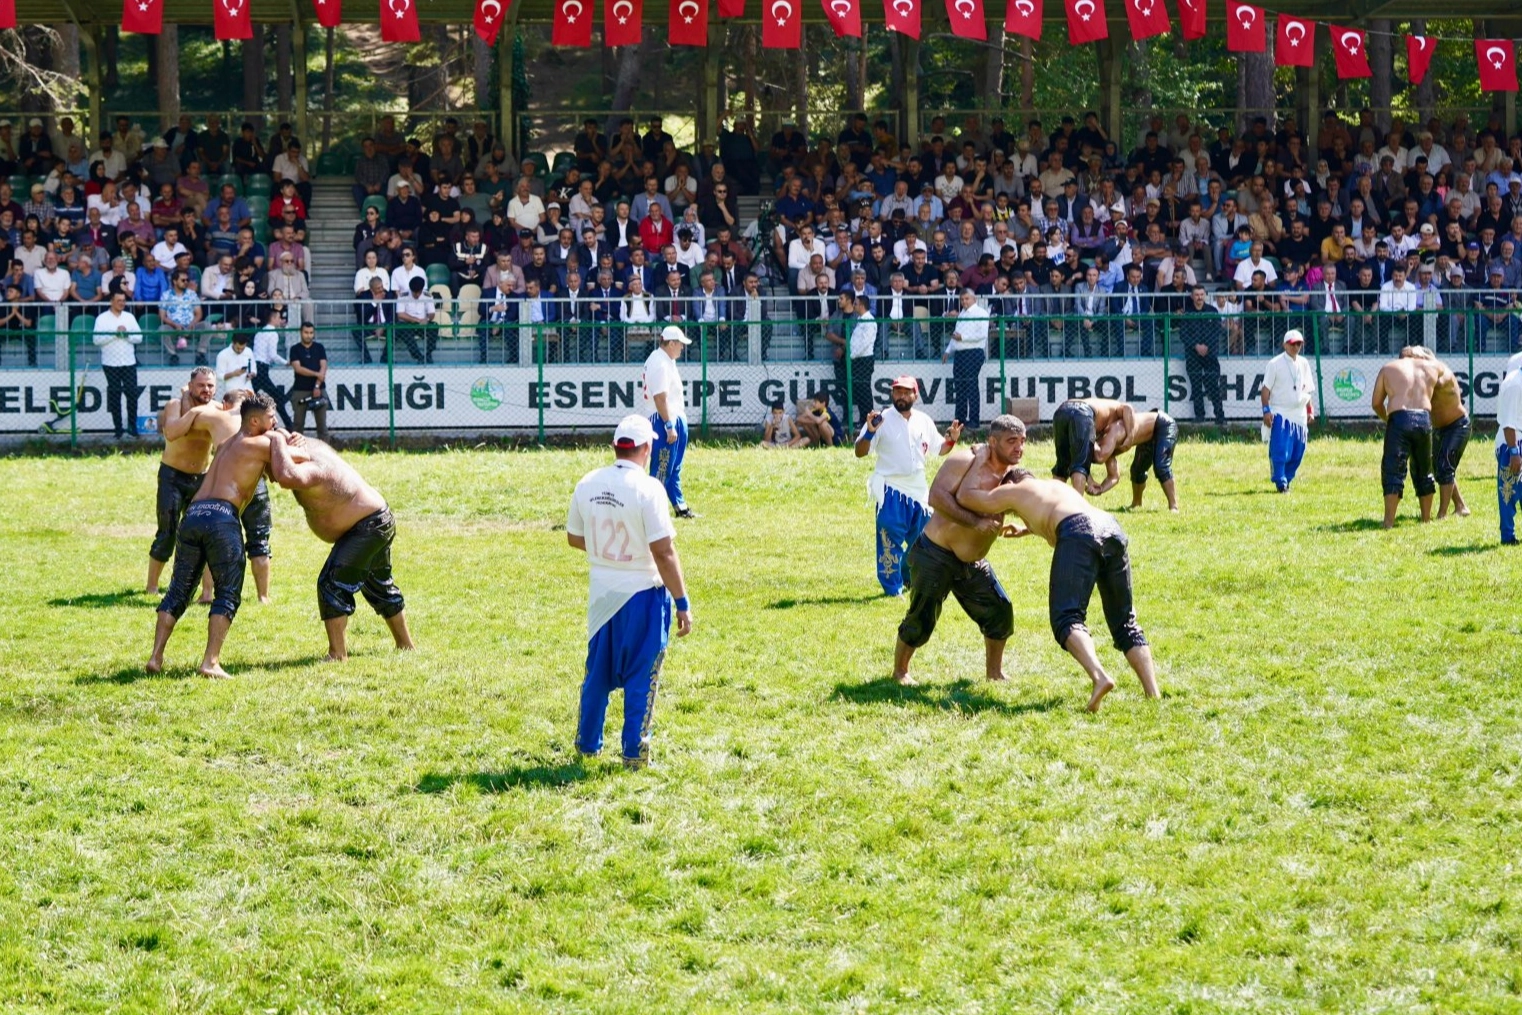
682,605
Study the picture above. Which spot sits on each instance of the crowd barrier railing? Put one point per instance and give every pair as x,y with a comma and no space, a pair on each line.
509,367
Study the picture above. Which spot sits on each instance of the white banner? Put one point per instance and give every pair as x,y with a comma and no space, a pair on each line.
479,398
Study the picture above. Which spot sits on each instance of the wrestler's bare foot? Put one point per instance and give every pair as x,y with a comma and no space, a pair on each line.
152,590
998,676
1462,510
905,680
1102,687
265,600
336,657
154,665
214,671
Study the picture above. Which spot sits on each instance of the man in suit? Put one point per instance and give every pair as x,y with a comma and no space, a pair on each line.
536,315
606,304
710,309
574,311
1133,305
856,284
376,315
591,250
639,267
1200,332
671,299
499,308
1329,299
1091,330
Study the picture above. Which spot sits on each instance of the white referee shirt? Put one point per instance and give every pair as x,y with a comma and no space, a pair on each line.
863,336
661,377
619,510
972,327
902,447
231,359
1290,386
1509,407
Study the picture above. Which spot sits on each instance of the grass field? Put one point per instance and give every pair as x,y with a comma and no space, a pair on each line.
1321,814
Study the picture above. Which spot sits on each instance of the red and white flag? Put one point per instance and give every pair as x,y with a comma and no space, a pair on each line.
1498,64
1147,18
145,17
1086,21
230,20
7,13
1349,46
1191,18
398,20
572,25
781,24
1245,31
844,16
1419,50
329,12
902,16
688,23
1295,42
731,8
967,20
621,22
1023,17
488,20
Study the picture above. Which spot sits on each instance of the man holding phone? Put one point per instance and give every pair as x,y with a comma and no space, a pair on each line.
902,439
309,389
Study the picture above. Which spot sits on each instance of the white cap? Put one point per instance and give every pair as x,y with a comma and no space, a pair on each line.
671,333
34,122
1294,335
633,432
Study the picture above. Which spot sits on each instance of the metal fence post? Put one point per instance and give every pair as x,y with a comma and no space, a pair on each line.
1167,342
540,352
703,384
1316,325
1469,337
1003,378
74,393
391,383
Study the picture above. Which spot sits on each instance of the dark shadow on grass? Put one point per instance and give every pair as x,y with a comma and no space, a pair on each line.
788,604
106,600
1240,493
1356,525
132,674
1460,551
957,696
525,777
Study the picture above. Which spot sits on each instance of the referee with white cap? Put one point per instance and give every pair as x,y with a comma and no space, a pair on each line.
618,517
667,409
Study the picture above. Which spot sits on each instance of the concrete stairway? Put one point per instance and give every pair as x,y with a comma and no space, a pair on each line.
330,234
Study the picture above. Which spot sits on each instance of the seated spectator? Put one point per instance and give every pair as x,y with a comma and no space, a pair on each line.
50,282
414,313
433,240
403,274
288,197
248,153
407,172
293,285
372,171
150,282
364,233
468,260
194,191
86,280
404,212
219,280
181,316
18,322
289,165
252,249
166,250
285,245
655,231
779,431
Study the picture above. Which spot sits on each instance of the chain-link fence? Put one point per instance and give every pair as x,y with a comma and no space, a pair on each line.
467,363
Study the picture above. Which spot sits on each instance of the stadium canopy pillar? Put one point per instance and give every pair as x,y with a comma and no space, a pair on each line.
299,63
1309,86
1112,70
90,36
506,118
708,111
911,97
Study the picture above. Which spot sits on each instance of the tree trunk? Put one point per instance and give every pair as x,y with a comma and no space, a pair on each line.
749,70
1382,63
626,79
801,82
283,80
1140,96
1424,94
855,94
896,80
1027,75
168,76
329,100
37,46
990,84
110,79
1255,87
253,76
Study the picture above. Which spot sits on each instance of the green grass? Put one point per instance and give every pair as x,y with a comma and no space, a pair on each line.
1322,814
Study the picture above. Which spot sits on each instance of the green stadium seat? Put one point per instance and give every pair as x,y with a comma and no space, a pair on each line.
151,324
261,228
47,325
330,164
539,159
563,161
21,186
229,180
258,185
438,274
351,163
81,337
377,202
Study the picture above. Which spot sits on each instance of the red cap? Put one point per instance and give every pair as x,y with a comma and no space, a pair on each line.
906,381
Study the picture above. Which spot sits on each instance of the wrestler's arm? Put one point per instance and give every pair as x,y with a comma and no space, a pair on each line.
987,502
287,470
1112,476
1127,423
943,492
177,424
1380,395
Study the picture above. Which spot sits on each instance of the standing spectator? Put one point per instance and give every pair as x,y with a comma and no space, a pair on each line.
309,390
235,365
415,309
1509,454
902,440
266,355
1288,387
666,406
116,333
1201,332
213,147
968,349
372,170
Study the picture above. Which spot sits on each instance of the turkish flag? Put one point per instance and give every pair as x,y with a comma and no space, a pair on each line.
621,22
231,20
488,21
732,9
1245,31
782,24
1086,21
398,20
145,17
7,13
844,16
1418,57
1023,17
1147,18
1191,18
967,20
1498,64
1348,46
688,23
573,23
902,16
1295,42
329,13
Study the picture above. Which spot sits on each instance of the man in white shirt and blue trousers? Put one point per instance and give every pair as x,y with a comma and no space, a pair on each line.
667,407
1509,454
902,439
618,516
1288,386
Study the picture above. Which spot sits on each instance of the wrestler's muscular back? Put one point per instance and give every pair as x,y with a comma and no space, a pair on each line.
339,499
968,544
235,472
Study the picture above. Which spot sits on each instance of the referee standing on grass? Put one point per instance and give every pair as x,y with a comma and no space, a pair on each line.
618,517
667,409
